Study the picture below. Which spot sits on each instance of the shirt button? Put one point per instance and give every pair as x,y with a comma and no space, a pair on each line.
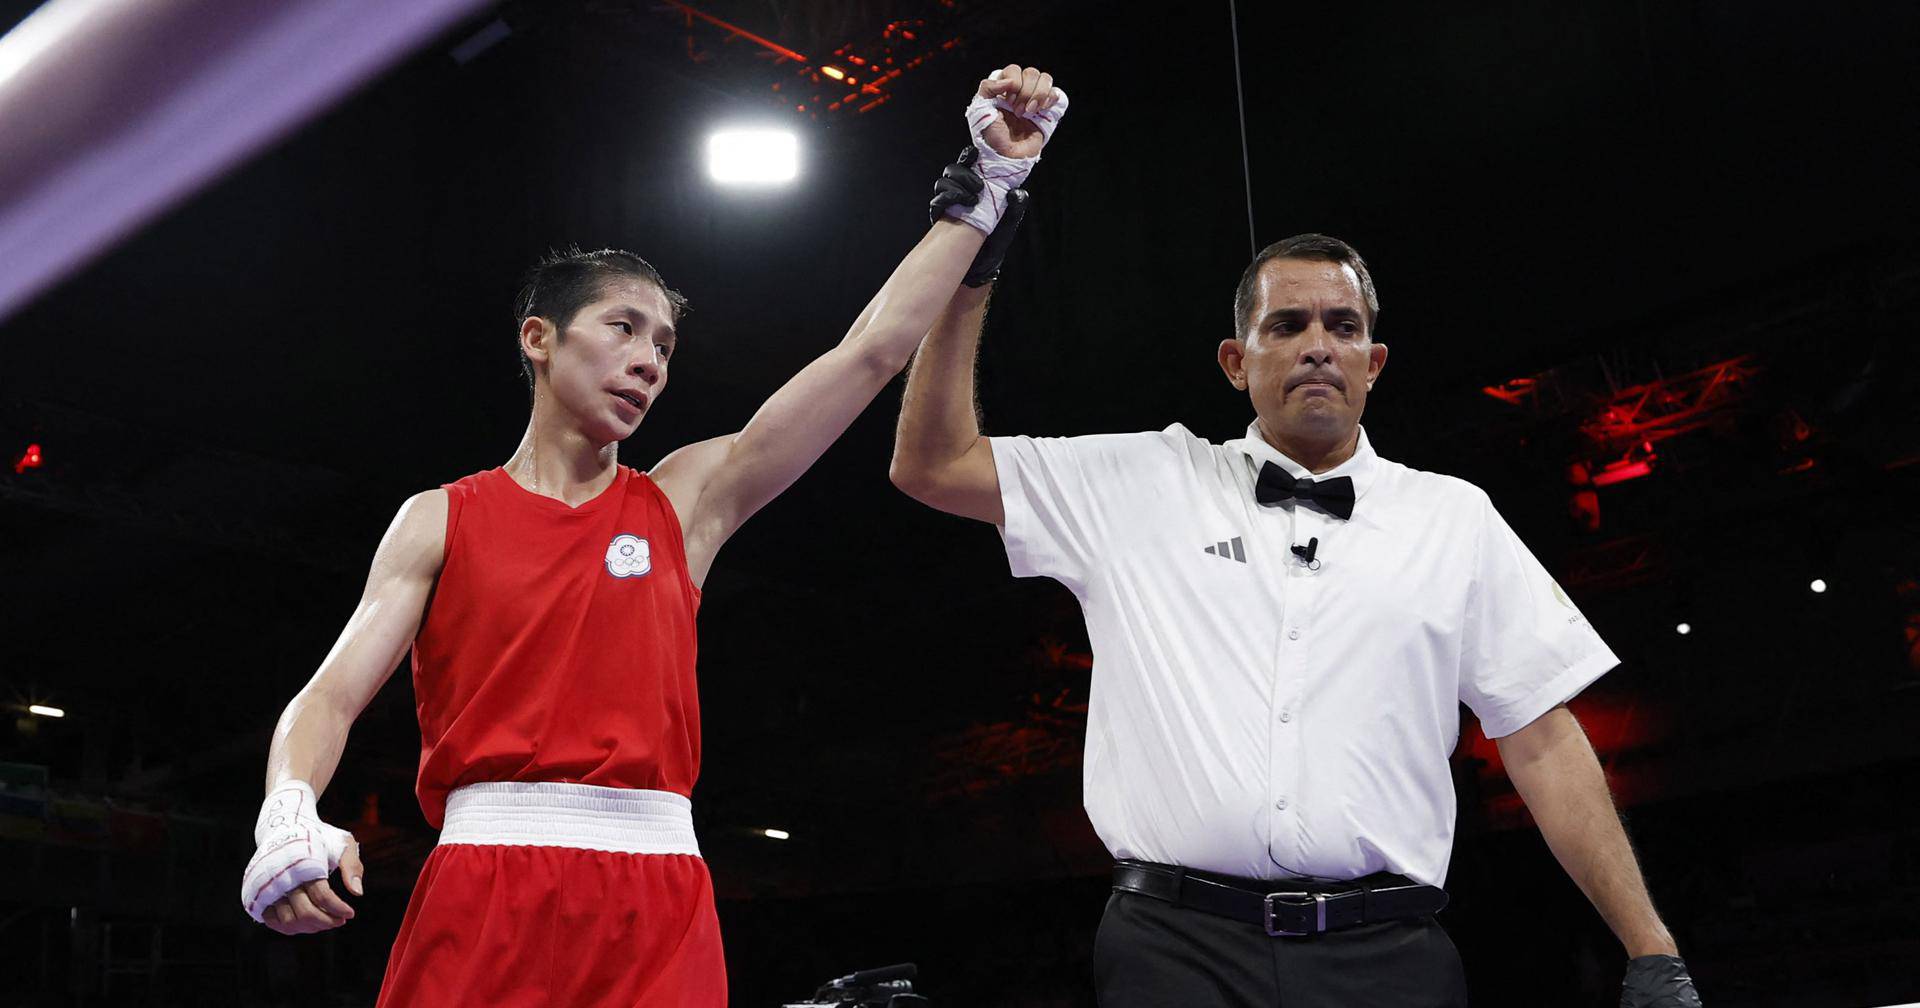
1293,635
1281,804
1286,716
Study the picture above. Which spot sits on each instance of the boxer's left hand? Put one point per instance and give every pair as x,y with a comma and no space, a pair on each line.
1658,981
1011,118
1024,96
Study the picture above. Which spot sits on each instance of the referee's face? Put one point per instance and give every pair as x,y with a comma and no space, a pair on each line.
1308,360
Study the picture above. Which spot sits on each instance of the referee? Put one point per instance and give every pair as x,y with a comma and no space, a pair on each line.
1283,628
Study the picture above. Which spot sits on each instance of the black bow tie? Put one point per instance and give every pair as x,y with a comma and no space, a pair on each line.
1335,496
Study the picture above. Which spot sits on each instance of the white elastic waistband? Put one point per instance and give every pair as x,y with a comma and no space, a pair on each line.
619,820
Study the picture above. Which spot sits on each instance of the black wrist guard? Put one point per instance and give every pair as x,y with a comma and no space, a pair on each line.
1658,981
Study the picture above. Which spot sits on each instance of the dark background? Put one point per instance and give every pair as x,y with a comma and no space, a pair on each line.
1607,197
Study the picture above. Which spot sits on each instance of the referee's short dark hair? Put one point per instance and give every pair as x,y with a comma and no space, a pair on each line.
567,280
1317,247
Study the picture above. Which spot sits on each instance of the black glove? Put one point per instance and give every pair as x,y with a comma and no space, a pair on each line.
960,185
1658,981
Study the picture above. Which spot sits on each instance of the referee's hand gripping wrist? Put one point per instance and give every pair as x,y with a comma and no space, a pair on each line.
959,185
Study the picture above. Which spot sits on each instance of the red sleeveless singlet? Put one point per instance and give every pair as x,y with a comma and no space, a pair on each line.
559,643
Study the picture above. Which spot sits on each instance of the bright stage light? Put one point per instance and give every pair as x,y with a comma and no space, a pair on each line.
775,834
753,157
45,711
1817,586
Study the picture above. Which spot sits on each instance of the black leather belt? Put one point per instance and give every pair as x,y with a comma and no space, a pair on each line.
1289,907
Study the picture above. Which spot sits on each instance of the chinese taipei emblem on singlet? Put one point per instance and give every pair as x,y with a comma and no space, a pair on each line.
629,556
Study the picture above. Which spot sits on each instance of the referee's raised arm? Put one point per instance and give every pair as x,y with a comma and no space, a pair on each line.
940,457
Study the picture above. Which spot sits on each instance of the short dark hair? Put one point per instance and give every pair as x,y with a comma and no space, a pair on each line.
1317,247
567,280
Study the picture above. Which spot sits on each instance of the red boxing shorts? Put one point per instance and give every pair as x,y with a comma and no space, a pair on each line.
551,895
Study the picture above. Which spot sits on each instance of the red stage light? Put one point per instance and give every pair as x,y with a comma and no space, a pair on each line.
1620,472
1584,507
29,459
877,57
1514,393
735,31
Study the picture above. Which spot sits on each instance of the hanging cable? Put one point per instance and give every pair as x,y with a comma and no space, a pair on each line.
1239,94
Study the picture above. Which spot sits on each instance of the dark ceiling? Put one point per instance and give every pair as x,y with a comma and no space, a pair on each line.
233,402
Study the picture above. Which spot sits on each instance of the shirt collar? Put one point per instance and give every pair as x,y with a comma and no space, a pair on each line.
1361,468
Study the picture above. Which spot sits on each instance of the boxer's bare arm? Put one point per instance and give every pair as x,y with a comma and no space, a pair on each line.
939,456
313,730
716,485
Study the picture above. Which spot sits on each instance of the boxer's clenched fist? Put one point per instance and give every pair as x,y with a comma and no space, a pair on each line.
1012,117
1025,97
285,886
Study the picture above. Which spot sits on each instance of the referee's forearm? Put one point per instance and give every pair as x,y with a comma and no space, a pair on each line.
1562,783
939,417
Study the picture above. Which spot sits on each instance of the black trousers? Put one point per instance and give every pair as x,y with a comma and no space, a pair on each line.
1152,954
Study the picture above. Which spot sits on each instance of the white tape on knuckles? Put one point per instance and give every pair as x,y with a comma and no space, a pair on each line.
1001,174
294,847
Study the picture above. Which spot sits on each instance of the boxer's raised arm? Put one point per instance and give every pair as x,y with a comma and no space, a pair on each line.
717,485
939,457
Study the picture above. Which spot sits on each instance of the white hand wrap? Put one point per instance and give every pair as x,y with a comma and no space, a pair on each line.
1002,174
295,848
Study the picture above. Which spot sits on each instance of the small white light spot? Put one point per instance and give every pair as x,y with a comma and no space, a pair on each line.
776,834
44,711
1818,586
1683,629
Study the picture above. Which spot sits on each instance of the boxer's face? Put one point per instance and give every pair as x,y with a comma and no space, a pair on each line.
1307,358
610,366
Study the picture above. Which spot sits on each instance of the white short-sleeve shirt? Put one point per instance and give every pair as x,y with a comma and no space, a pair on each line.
1255,716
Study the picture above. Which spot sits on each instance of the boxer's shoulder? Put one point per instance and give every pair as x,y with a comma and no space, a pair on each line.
416,541
428,507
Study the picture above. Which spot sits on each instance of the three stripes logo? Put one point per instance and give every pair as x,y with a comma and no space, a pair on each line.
1230,550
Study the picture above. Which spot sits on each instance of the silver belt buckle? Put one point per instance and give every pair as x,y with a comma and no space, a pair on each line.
1320,907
